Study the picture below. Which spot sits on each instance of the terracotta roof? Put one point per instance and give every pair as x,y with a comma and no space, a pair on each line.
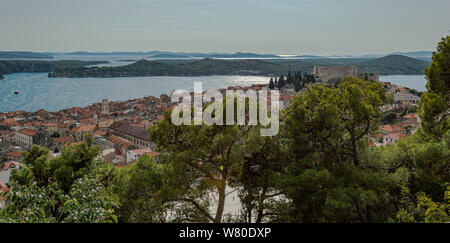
387,128
99,133
85,128
142,151
119,141
3,187
63,140
9,122
410,116
131,130
28,132
85,121
10,165
14,154
53,124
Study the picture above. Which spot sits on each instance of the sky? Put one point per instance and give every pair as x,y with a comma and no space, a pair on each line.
319,27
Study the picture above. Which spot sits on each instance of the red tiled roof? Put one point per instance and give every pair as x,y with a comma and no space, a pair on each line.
53,124
9,122
3,187
410,116
14,154
387,128
63,140
99,133
85,121
119,141
9,165
142,151
85,128
28,132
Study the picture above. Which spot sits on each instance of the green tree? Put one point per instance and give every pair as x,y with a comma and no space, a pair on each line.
256,181
205,159
68,188
329,179
86,202
435,103
281,82
271,84
426,210
73,163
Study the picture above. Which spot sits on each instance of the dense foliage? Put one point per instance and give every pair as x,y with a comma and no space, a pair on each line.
320,167
393,65
68,188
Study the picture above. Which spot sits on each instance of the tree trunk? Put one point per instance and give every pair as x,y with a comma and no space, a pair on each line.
221,203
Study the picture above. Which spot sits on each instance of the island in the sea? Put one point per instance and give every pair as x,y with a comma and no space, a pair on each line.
389,65
31,66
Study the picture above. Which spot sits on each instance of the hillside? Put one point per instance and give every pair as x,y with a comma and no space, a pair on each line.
389,65
23,54
393,65
202,67
16,66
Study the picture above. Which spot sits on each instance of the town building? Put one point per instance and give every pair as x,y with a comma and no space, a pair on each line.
134,155
137,136
60,142
25,138
105,107
332,74
82,130
405,97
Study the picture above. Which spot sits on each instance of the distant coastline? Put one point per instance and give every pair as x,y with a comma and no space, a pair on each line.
31,66
389,65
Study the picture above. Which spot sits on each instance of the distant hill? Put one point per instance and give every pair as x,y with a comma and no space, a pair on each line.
242,55
16,66
393,65
23,54
389,65
212,55
416,54
203,67
117,53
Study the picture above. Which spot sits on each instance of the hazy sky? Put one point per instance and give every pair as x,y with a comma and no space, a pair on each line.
262,26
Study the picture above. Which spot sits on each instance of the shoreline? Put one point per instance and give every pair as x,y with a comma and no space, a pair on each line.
125,99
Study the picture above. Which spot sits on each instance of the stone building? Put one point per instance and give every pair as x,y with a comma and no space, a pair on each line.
105,107
327,74
134,155
405,97
25,138
138,136
81,131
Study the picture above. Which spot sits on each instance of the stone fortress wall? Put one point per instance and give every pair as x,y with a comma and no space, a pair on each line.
328,74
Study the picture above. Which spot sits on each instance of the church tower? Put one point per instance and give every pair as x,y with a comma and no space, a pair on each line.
105,107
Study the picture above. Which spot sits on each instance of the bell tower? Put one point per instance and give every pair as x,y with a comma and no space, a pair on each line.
105,107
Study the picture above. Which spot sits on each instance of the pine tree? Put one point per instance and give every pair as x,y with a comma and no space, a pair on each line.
298,85
281,82
271,84
289,79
